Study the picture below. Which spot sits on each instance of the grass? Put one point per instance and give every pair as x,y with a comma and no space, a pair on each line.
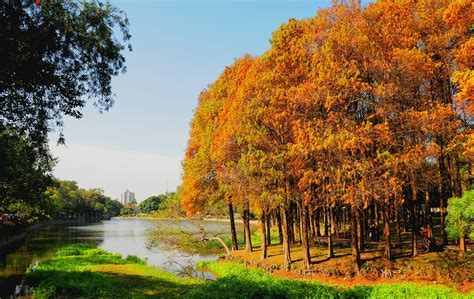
435,268
441,267
238,281
255,237
87,272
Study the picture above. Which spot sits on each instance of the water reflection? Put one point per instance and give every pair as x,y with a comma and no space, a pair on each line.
39,245
127,237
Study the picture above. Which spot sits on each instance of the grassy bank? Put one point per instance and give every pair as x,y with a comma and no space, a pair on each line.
88,272
85,271
237,281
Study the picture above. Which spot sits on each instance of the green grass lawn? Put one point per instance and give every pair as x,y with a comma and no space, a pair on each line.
237,281
83,271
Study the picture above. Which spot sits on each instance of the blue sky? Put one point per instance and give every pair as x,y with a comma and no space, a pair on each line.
179,47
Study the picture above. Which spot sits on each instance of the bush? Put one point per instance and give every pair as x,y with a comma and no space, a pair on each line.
74,250
133,259
44,292
460,219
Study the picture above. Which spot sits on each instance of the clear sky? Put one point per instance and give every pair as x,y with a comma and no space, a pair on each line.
179,47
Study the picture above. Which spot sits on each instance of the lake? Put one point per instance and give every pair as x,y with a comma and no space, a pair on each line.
124,236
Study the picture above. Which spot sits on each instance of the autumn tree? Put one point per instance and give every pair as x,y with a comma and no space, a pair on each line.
364,113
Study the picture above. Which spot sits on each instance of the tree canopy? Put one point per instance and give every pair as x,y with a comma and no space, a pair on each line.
166,204
67,199
354,113
24,177
151,204
56,56
460,219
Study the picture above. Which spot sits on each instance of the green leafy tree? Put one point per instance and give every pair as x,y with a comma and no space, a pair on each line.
171,206
55,56
112,208
166,205
67,199
24,177
151,204
460,219
126,211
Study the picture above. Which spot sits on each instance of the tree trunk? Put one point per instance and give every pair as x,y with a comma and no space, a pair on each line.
325,211
286,240
344,221
297,222
462,246
291,233
405,216
304,234
444,237
317,226
232,228
263,245
429,221
397,219
280,232
442,181
386,218
268,229
360,232
221,241
335,223
457,191
377,220
329,236
247,234
454,177
414,228
354,242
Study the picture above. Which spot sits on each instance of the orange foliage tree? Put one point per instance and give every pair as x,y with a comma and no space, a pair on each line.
357,117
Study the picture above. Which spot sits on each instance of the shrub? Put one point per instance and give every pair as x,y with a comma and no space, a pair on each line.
74,250
459,222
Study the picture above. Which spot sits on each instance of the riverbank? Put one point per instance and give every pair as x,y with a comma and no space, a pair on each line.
85,271
149,217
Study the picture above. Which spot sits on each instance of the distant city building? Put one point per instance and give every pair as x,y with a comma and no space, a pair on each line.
127,197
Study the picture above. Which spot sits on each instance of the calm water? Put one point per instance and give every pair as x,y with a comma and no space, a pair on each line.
127,237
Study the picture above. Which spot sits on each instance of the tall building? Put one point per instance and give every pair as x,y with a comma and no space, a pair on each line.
127,197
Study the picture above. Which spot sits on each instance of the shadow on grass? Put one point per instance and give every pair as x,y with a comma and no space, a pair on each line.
240,283
73,284
237,286
80,271
250,285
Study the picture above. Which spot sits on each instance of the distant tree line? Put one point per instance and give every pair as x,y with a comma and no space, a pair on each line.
55,200
67,199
